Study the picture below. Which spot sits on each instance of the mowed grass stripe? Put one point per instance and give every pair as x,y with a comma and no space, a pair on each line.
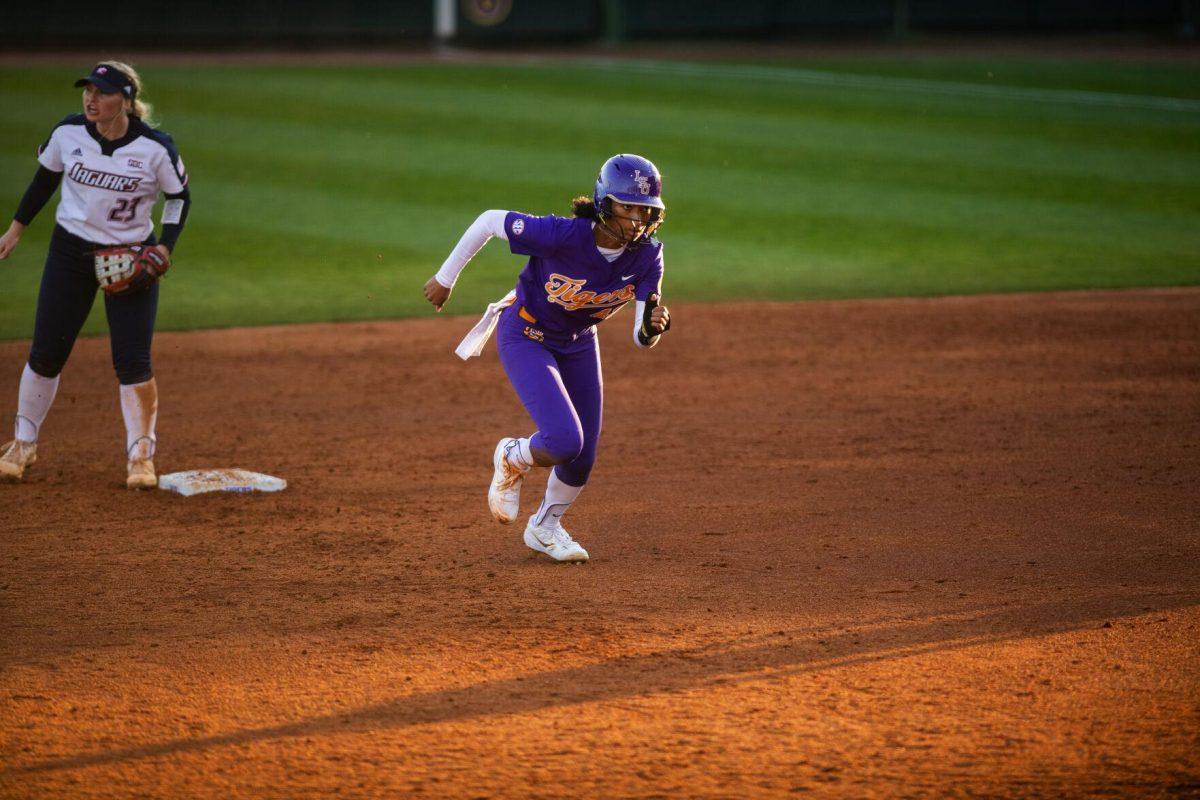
338,192
890,84
1157,77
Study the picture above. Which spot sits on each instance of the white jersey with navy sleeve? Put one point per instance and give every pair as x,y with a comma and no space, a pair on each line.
109,186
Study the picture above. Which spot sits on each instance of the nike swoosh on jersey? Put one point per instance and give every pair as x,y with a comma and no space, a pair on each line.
627,277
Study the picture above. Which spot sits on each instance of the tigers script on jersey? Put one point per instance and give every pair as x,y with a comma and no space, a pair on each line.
109,187
567,284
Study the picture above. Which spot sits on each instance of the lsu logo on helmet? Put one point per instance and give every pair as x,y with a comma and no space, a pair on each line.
643,182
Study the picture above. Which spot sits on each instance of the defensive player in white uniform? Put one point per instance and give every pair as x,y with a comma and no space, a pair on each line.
111,164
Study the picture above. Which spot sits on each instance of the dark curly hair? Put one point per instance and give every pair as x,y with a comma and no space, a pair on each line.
585,207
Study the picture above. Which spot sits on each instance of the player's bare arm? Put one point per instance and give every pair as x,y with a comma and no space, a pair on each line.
11,238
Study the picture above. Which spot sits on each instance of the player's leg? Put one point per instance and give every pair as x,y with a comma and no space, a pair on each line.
582,377
65,299
559,436
533,372
131,326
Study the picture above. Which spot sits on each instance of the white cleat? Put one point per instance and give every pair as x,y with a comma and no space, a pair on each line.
16,457
552,539
139,474
504,495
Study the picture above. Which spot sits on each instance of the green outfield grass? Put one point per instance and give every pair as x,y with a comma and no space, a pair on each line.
332,193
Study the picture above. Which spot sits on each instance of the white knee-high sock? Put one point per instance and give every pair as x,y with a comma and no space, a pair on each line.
139,406
558,499
33,403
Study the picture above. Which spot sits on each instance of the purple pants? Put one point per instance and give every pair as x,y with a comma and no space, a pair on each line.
561,386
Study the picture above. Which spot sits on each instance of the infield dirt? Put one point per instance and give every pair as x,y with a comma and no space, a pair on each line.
869,549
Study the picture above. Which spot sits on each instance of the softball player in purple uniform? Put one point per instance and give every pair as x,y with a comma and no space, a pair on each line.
111,165
581,271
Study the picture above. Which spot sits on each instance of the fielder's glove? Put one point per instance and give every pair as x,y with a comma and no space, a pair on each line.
127,269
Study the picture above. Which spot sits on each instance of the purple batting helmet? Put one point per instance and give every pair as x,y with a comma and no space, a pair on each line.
630,179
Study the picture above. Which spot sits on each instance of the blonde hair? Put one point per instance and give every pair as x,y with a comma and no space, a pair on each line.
140,108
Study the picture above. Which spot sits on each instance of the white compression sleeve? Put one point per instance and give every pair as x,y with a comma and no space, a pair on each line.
487,225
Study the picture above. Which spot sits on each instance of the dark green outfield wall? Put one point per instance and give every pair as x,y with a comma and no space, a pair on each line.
163,25
190,23
752,17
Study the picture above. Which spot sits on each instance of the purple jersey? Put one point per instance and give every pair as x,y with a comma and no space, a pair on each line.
567,285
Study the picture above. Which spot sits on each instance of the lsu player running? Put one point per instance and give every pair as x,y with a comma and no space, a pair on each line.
581,270
112,165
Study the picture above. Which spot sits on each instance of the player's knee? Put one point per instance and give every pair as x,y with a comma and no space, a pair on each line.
46,366
133,370
577,470
563,445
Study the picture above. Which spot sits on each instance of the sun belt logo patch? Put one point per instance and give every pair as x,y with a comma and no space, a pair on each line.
643,182
518,227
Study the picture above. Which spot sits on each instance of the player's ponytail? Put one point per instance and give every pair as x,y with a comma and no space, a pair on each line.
585,207
140,108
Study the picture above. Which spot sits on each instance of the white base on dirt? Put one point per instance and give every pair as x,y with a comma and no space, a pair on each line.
198,481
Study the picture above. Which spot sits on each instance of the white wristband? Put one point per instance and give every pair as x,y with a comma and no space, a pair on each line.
172,212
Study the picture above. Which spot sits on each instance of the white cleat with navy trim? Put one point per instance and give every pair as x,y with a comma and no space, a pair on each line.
552,539
504,495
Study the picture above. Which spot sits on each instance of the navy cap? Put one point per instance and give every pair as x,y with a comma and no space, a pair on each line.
109,80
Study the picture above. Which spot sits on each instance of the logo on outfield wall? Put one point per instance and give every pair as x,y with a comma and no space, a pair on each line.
643,183
518,226
487,12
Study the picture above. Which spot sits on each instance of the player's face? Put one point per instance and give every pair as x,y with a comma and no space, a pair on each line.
631,219
101,107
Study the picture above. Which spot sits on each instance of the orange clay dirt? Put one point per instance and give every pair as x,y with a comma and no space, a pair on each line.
861,549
